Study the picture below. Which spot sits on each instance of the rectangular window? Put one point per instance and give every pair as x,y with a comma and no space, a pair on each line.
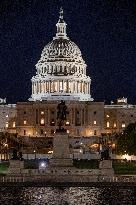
108,124
24,122
7,124
123,125
94,122
42,112
42,121
52,123
67,123
24,132
91,132
14,124
95,132
115,125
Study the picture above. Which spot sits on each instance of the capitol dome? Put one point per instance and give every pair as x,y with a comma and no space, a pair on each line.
61,49
61,70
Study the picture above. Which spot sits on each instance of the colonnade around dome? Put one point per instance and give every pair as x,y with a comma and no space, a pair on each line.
60,86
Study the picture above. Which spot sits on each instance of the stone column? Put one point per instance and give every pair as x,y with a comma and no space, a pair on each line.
37,87
41,87
80,87
73,86
63,85
89,88
32,88
67,86
44,86
76,86
85,88
49,85
54,86
58,86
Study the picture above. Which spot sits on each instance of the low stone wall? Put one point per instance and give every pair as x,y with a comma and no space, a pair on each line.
60,173
44,178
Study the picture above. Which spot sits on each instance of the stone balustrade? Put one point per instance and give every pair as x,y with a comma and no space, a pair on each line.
61,178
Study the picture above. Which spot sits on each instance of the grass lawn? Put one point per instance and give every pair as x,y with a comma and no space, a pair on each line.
120,167
86,164
124,168
4,167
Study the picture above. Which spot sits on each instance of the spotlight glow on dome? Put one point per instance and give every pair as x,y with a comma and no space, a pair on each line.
61,70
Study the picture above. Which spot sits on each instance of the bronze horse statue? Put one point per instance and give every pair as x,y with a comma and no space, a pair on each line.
61,113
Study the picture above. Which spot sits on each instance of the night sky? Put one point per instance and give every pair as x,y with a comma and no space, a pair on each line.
104,30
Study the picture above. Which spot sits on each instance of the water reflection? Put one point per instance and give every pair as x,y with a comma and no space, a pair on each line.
67,196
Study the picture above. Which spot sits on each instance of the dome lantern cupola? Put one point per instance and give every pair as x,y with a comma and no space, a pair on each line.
61,27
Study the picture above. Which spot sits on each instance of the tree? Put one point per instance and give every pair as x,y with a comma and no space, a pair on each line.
126,141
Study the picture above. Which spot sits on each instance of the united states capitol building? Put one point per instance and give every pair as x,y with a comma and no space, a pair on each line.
61,75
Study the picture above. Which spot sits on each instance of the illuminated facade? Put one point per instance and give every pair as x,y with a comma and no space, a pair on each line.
118,116
7,116
61,70
39,118
61,75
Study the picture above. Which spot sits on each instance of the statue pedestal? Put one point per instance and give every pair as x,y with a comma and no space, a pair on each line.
15,166
106,168
61,152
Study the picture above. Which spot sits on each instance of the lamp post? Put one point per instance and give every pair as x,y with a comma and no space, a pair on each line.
34,154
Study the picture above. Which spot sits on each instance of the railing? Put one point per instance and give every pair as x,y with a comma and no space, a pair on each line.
11,179
75,178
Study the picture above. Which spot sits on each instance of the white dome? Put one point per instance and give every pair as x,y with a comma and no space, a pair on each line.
61,49
61,70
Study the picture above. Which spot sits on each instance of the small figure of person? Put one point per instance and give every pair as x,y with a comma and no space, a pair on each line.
14,155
